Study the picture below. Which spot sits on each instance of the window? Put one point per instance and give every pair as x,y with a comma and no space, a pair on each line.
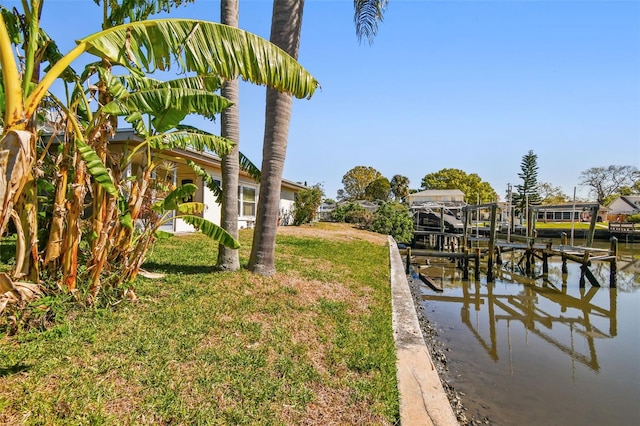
246,201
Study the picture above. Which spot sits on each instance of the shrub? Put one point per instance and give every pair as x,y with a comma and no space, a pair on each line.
347,212
393,219
634,218
306,205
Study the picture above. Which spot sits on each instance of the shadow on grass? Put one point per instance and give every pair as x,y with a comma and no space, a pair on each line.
170,268
14,369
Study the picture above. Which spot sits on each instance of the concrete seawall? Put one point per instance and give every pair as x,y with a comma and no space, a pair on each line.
423,401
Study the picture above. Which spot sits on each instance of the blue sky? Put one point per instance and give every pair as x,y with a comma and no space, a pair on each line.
472,85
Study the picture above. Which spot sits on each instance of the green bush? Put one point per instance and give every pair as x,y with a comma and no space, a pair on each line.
306,205
633,218
393,219
349,213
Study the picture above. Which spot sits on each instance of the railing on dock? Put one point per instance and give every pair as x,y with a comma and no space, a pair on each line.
624,228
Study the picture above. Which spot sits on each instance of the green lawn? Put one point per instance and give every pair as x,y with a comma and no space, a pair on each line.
312,345
567,225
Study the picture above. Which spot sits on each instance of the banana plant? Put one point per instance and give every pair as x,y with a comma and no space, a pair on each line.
164,105
191,46
172,206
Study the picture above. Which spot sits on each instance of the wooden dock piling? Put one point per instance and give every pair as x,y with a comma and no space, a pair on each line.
465,267
408,266
613,269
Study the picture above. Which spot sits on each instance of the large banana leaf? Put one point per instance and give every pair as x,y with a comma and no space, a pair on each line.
210,83
12,25
168,106
96,168
167,102
191,208
209,182
198,141
212,230
175,197
248,166
138,10
202,47
194,46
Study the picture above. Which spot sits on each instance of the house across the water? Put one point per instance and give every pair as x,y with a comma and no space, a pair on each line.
563,212
624,206
447,197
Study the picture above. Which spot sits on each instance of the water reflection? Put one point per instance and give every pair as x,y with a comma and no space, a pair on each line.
557,313
524,349
539,308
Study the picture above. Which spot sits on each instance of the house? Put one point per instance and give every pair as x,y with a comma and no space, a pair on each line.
447,197
624,206
173,170
324,211
562,212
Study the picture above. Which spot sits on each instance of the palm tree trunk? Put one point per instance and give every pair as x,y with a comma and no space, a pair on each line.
286,24
230,128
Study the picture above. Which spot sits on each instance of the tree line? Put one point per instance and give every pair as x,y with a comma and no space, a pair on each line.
603,183
367,183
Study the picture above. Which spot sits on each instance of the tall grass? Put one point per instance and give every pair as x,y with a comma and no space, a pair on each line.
311,345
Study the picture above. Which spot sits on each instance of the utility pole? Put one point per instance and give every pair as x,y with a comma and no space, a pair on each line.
510,216
573,214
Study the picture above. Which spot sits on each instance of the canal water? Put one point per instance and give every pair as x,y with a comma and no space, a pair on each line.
535,351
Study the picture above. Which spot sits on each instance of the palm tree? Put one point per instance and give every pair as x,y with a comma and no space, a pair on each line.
230,128
286,24
399,187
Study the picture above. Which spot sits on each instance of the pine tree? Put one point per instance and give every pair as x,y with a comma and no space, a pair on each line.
527,192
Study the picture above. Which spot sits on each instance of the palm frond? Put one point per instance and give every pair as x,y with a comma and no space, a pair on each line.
367,14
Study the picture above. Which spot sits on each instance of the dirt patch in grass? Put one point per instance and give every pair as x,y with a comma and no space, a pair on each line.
333,232
329,409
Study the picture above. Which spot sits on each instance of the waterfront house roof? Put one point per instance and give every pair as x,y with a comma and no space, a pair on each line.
437,197
625,204
439,193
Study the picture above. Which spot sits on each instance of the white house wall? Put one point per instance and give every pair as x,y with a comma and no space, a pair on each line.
287,200
213,211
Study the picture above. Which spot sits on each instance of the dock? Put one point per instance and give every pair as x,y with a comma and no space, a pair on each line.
469,251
